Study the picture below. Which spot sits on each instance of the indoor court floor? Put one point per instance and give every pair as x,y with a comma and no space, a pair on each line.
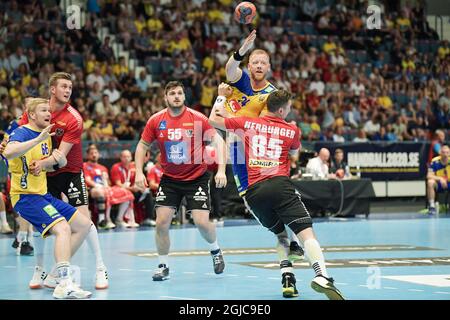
388,259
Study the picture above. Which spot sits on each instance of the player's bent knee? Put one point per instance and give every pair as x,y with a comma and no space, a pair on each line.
61,228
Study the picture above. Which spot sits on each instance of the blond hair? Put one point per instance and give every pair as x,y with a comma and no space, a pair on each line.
258,51
53,81
32,103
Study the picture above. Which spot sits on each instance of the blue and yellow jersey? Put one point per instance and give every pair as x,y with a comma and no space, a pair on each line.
22,181
440,169
251,102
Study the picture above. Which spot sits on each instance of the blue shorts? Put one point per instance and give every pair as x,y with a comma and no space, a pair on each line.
43,211
239,166
439,186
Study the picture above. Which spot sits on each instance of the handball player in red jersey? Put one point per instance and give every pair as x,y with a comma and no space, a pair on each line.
179,132
69,180
268,141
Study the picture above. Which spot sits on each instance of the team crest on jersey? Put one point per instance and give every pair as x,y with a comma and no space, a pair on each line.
59,132
189,133
163,125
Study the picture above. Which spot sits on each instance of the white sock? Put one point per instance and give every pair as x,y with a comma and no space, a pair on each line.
63,271
282,248
122,209
214,246
101,217
22,236
92,239
315,255
3,217
164,260
39,247
432,204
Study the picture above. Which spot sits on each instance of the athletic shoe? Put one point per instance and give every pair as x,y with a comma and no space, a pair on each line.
26,249
432,211
5,229
288,281
110,225
295,252
15,244
162,273
102,224
50,281
133,225
326,286
122,224
149,223
70,291
101,278
218,262
39,275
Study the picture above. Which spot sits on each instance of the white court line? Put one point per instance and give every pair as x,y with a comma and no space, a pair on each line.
232,275
272,278
390,288
252,276
145,270
442,292
178,298
342,283
363,285
415,290
210,274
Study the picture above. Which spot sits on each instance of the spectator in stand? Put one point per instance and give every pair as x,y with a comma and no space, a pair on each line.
123,174
105,195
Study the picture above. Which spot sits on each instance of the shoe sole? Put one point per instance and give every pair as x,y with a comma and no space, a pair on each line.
295,257
330,293
289,293
161,279
36,286
72,298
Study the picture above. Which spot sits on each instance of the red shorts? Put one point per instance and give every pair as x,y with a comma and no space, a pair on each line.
117,195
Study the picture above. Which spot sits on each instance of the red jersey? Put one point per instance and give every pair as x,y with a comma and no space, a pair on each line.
155,173
180,141
95,171
268,141
122,174
68,127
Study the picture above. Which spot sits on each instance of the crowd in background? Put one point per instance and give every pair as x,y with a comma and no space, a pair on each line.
349,83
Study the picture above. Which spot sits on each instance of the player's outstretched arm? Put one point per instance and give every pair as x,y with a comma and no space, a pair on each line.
232,70
15,149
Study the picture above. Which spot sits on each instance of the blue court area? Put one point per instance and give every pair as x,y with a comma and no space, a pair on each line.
369,259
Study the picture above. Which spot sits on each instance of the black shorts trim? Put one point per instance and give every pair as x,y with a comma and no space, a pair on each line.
72,185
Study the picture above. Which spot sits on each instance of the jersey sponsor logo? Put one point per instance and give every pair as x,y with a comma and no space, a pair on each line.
59,132
176,151
200,195
234,105
261,163
50,210
162,125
